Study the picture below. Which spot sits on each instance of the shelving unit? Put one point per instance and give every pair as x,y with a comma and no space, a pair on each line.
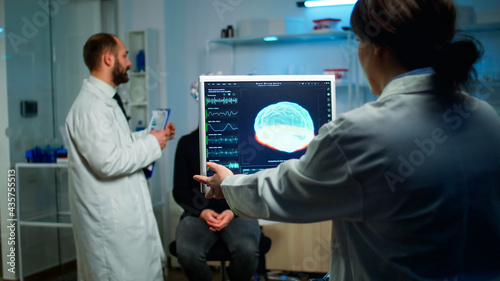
280,39
143,86
352,85
58,219
286,38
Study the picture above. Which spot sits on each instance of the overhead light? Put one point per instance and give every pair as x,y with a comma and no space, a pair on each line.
1,29
270,38
323,3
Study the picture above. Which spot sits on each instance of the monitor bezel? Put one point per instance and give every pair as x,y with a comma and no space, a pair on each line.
248,78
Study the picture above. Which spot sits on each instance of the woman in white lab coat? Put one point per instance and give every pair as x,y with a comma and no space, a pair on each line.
411,182
115,230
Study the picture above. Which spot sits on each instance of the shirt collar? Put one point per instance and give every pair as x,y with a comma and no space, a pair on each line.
419,80
425,70
103,86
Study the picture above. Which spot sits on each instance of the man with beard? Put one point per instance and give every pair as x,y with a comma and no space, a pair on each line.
115,231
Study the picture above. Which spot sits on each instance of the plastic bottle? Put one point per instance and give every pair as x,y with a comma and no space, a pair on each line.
30,158
141,61
230,31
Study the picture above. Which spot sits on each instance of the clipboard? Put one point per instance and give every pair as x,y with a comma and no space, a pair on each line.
159,120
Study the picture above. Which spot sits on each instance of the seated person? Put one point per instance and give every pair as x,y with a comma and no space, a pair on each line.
204,221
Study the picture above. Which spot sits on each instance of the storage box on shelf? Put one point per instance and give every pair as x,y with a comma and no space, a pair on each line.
257,27
326,25
285,25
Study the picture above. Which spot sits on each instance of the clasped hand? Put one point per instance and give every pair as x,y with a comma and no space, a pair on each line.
214,182
215,221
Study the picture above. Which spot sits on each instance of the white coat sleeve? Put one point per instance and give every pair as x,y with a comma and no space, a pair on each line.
139,134
316,187
107,148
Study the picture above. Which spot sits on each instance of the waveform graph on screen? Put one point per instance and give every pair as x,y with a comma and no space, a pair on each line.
220,153
221,100
222,114
211,140
231,165
221,127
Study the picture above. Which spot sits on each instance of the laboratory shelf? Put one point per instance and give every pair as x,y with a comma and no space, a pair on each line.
285,38
41,165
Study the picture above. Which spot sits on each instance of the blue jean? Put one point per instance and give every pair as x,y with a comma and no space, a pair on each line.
194,239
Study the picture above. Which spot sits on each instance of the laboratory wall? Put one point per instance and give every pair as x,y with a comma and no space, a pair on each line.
43,58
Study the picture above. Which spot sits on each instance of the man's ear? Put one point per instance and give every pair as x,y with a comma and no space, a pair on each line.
108,58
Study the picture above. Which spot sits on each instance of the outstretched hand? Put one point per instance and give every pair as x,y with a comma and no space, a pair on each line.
214,181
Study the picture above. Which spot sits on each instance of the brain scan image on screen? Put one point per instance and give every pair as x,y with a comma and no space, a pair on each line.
284,126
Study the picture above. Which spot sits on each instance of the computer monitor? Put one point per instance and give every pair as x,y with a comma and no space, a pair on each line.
255,122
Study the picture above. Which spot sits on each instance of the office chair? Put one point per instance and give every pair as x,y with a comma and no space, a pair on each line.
220,252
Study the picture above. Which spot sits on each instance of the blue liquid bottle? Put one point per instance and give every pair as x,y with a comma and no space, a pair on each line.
140,61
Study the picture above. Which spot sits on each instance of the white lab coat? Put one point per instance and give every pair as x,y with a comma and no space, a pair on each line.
115,230
411,183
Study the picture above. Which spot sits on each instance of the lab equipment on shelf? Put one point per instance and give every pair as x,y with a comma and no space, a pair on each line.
48,154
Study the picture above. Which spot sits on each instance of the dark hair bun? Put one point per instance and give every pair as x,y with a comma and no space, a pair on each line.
454,63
